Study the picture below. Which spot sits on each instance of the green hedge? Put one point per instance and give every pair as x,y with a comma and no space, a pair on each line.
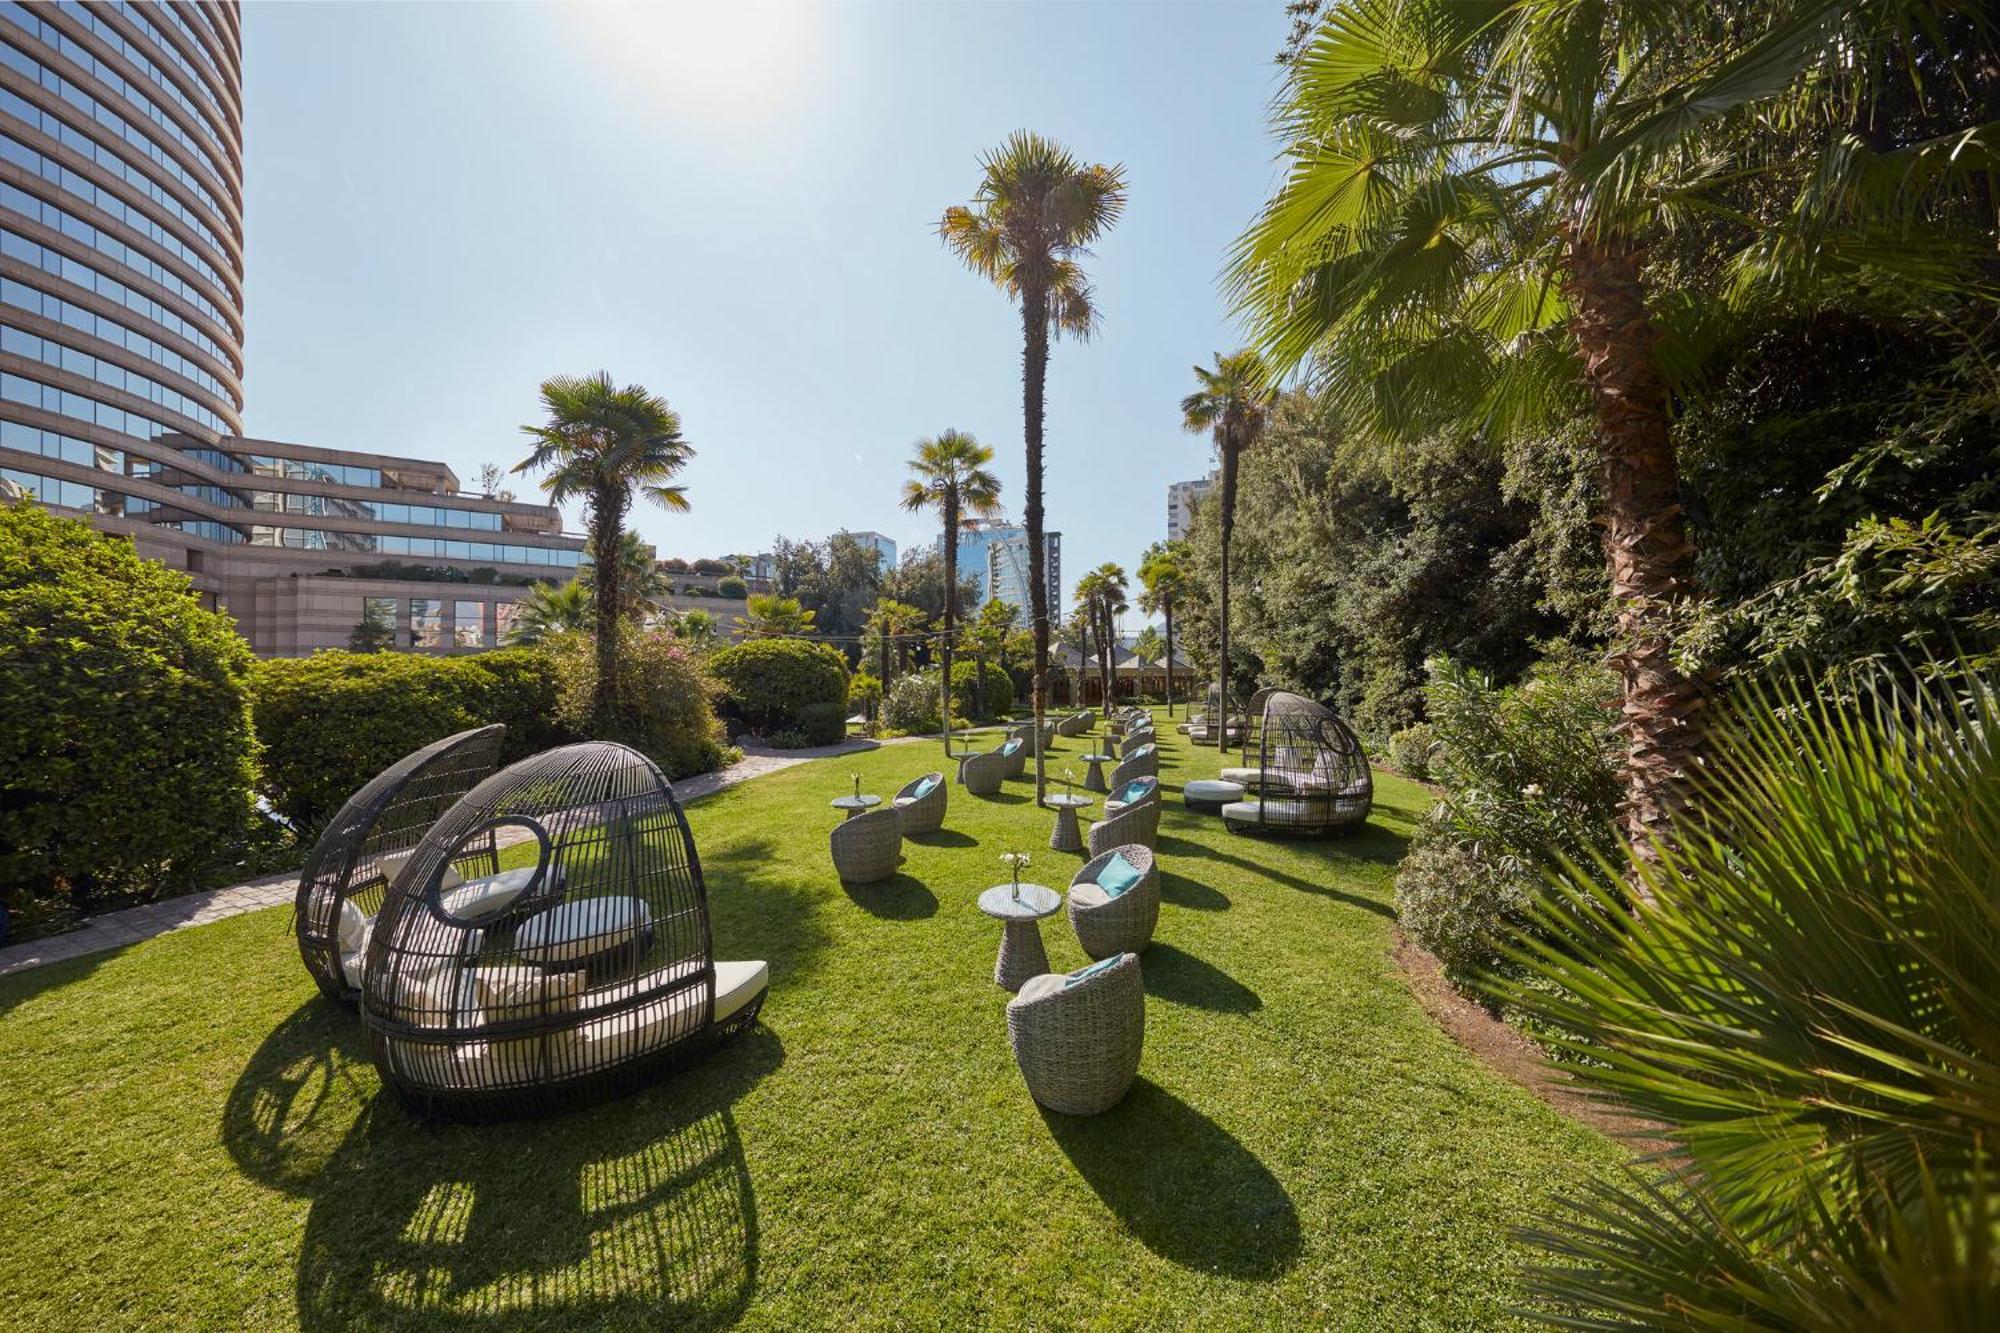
770,683
126,752
965,692
663,708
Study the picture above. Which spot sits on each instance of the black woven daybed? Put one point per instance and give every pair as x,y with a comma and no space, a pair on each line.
362,848
584,972
1312,776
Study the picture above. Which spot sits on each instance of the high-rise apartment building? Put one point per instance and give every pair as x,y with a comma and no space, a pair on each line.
1007,570
884,548
121,355
1181,497
974,540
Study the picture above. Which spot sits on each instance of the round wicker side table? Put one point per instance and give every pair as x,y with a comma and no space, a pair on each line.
1066,837
1021,952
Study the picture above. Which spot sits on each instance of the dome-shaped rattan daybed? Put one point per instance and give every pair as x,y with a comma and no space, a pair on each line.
582,972
362,848
1313,777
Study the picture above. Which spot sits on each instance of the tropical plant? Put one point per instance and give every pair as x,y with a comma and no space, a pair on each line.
769,616
695,628
1463,238
548,609
1100,596
664,707
603,445
732,587
639,582
1036,210
1163,581
1232,404
1808,1008
951,475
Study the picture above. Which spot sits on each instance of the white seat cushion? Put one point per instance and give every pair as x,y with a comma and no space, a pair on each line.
1208,789
489,895
392,866
1087,895
738,983
581,929
1034,988
354,956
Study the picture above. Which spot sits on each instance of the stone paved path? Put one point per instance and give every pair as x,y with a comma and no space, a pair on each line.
115,930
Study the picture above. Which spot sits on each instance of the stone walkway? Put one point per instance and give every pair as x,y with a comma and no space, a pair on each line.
115,930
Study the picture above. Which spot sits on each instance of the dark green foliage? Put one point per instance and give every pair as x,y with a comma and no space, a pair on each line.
769,683
126,754
733,588
823,723
1410,751
521,692
1809,1007
662,707
965,691
910,705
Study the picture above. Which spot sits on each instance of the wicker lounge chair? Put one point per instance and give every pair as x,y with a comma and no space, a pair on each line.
1136,792
1141,763
362,848
571,988
867,847
982,774
1108,922
1137,740
1016,752
921,804
1313,777
1140,824
1073,725
1077,1036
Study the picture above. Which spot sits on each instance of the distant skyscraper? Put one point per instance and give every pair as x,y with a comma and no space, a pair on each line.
1007,569
885,550
973,543
1181,496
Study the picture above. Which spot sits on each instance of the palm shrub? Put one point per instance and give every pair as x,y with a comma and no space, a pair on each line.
126,754
1811,1005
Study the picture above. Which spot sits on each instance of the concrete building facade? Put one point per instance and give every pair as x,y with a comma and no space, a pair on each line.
1007,570
1181,498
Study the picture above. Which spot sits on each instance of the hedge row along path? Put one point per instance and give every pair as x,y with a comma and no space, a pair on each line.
118,930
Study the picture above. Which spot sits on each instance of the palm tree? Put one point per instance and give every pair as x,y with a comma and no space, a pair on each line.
891,622
1163,578
695,628
770,616
952,477
1461,243
1034,213
602,444
549,609
1231,405
1100,595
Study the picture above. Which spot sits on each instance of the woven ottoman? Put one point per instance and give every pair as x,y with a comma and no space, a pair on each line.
1207,796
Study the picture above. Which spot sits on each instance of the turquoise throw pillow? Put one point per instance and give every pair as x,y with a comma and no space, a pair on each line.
925,787
1134,790
1011,746
1086,973
1117,876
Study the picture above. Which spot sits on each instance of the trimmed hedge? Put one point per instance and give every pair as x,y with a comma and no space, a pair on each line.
126,752
770,683
662,708
965,691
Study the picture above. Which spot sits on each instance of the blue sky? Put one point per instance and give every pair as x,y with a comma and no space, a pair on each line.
734,205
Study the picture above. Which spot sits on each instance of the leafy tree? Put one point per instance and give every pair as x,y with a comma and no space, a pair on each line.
952,476
772,617
837,580
1148,646
919,581
603,445
492,482
375,632
1463,238
1232,404
1036,210
1163,581
548,609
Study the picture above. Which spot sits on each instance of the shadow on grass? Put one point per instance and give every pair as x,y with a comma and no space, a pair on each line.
944,837
900,898
297,1098
636,1212
1184,1186
1375,845
1184,892
20,987
1177,975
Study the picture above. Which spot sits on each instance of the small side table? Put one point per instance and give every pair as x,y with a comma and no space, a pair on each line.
1093,777
854,805
1021,953
1066,838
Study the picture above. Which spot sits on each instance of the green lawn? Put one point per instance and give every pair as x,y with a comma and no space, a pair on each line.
193,1138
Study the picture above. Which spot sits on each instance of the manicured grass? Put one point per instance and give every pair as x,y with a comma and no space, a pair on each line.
193,1139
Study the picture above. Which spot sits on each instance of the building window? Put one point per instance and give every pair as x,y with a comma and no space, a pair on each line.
468,625
506,619
426,622
378,619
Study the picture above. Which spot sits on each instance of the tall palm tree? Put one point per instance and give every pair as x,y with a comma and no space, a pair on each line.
891,623
1163,579
639,577
1461,241
1101,595
548,609
1232,403
1036,209
952,477
603,445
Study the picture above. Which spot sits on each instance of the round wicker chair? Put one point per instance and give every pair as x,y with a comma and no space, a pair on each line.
1143,762
982,774
921,807
1016,752
1312,777
1107,923
1137,740
1133,793
362,848
867,847
583,973
1140,824
1078,1036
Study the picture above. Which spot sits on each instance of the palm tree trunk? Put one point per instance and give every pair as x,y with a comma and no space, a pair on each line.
1228,518
1034,383
950,599
1170,656
1644,536
608,516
